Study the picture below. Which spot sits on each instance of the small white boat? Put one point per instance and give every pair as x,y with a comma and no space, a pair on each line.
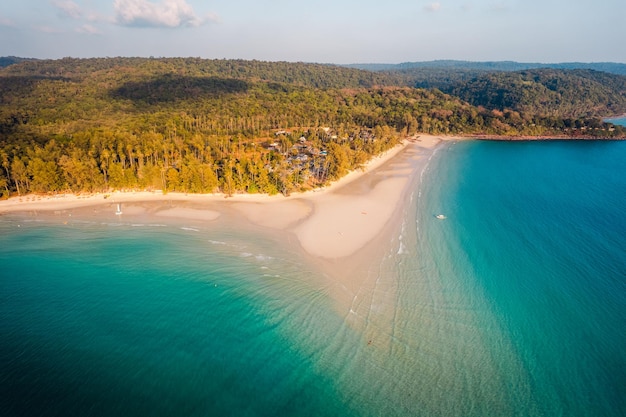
119,209
441,217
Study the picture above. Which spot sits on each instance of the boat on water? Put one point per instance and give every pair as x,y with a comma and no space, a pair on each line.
441,217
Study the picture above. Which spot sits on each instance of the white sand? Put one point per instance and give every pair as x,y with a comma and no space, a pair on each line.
188,213
275,214
343,222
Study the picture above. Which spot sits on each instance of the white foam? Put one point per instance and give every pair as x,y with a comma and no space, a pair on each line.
402,249
148,225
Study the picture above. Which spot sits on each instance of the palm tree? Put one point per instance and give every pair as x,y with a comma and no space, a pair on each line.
4,183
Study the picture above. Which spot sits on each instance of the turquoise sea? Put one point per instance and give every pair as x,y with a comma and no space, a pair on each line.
514,305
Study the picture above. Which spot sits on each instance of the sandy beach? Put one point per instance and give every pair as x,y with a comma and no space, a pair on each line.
333,225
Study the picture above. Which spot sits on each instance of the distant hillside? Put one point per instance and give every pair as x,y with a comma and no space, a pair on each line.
553,92
5,61
293,73
569,90
547,92
610,67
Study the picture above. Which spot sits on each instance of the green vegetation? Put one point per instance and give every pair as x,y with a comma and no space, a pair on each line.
547,92
566,90
193,125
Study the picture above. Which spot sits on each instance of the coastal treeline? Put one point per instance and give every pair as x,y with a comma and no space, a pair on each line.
192,125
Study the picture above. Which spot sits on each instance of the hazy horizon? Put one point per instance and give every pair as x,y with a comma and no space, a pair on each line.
341,33
322,63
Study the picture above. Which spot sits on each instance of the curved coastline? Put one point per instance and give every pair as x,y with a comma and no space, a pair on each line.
329,223
396,324
343,231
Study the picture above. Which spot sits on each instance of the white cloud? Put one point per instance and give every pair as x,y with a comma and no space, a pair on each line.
166,13
88,29
432,7
68,8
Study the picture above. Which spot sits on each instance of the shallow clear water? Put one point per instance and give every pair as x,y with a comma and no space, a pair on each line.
513,305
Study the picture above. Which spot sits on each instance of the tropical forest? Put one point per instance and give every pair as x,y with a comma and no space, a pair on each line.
231,126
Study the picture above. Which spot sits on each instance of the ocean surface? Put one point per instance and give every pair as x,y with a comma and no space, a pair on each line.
513,305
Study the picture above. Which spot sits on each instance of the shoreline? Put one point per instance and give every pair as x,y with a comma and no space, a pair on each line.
541,138
342,230
329,223
64,201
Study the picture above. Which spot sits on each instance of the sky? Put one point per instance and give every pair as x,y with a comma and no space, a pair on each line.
325,31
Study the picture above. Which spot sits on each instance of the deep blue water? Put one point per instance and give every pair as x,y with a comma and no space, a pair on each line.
515,304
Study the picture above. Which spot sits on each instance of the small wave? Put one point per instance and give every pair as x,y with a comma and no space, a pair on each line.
191,229
148,225
217,242
402,249
257,257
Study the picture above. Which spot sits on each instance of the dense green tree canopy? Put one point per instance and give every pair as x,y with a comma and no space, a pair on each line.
547,92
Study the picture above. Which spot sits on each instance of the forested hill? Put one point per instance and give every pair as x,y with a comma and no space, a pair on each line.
546,92
561,89
298,73
194,125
